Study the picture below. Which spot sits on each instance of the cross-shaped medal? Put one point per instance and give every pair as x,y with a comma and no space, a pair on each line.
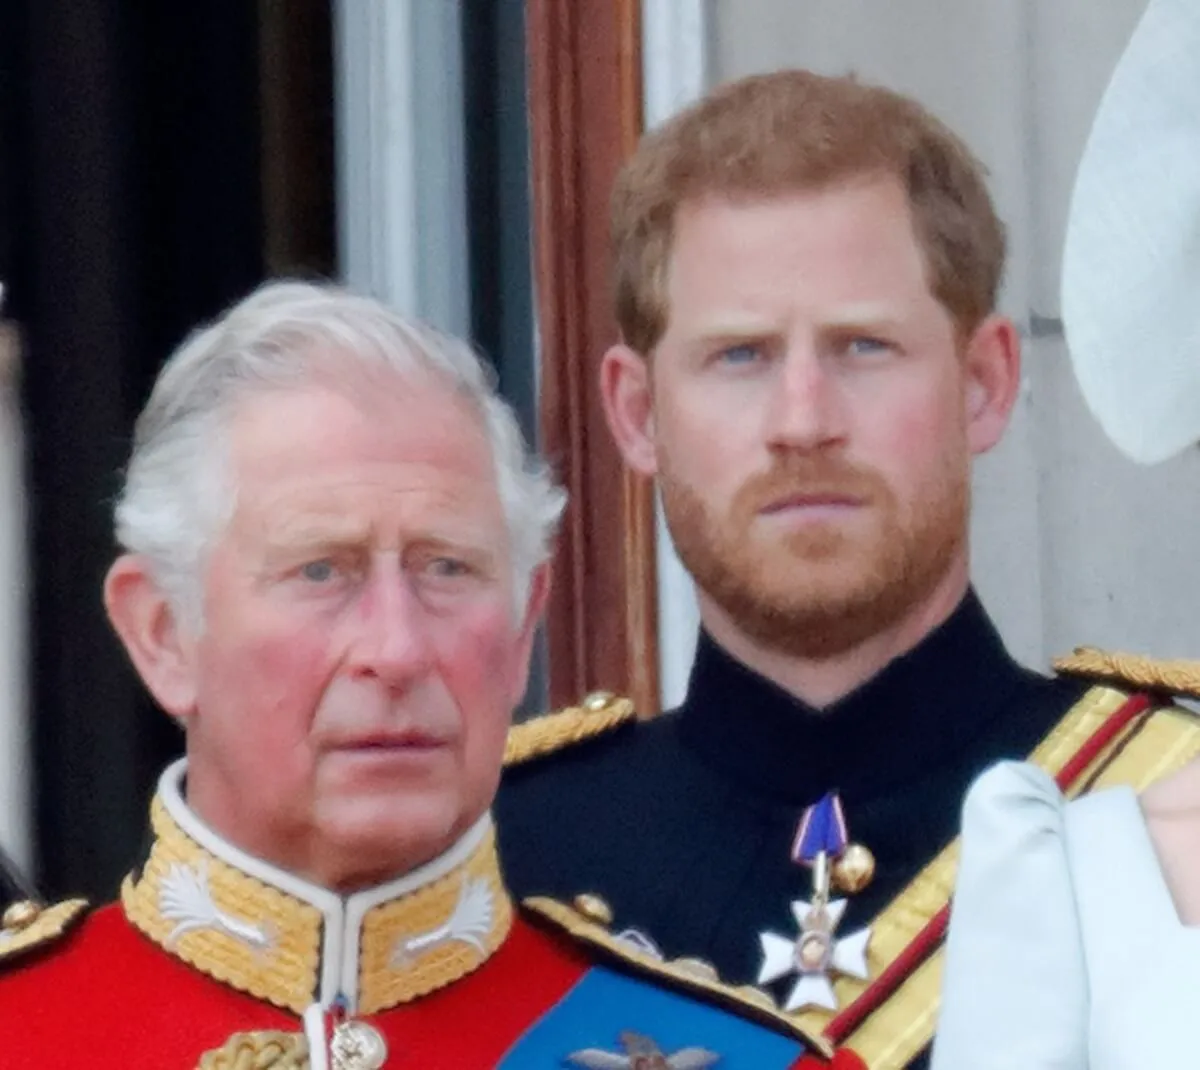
816,954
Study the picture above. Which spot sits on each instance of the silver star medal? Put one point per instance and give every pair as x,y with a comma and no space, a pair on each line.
815,954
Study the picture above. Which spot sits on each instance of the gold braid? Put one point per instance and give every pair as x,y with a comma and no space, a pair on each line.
1179,676
259,1051
553,731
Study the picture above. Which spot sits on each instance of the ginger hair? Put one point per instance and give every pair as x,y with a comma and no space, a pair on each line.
793,131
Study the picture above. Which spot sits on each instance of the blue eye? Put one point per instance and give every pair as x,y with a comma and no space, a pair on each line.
447,567
318,571
866,345
746,353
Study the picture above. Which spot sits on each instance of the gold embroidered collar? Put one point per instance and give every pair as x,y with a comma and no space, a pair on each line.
266,932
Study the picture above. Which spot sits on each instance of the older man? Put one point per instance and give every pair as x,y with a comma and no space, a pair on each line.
334,564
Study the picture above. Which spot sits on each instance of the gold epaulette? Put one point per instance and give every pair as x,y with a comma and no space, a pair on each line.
1134,672
28,927
600,712
587,921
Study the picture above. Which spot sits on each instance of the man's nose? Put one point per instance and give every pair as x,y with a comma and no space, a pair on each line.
391,641
806,409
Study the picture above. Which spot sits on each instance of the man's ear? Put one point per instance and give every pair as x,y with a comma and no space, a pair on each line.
992,367
629,406
158,644
535,606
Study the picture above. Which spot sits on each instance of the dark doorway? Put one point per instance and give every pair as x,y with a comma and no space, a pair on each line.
138,203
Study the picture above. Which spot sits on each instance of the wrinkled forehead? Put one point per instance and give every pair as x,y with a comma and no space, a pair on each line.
396,379
395,413
321,448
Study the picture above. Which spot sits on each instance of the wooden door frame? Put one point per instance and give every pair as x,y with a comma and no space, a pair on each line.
585,105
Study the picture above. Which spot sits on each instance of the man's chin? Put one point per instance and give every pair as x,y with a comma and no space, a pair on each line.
819,546
795,584
813,616
373,841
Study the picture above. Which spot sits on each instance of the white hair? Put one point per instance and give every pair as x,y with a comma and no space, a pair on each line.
178,493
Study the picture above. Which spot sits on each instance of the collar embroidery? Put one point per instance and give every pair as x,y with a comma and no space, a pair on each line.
268,933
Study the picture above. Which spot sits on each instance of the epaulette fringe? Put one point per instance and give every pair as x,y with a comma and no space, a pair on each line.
599,713
1179,676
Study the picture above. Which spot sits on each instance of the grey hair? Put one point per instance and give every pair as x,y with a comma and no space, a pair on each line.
178,494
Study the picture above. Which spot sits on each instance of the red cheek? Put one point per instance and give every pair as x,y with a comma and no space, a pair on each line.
483,650
264,673
297,652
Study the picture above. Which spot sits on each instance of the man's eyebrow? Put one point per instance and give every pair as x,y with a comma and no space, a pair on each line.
721,327
868,315
304,532
874,315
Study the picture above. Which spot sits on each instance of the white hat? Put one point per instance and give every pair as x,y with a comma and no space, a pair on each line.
1131,266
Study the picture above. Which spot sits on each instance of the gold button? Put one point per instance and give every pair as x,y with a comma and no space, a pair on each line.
594,909
853,870
598,700
21,915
